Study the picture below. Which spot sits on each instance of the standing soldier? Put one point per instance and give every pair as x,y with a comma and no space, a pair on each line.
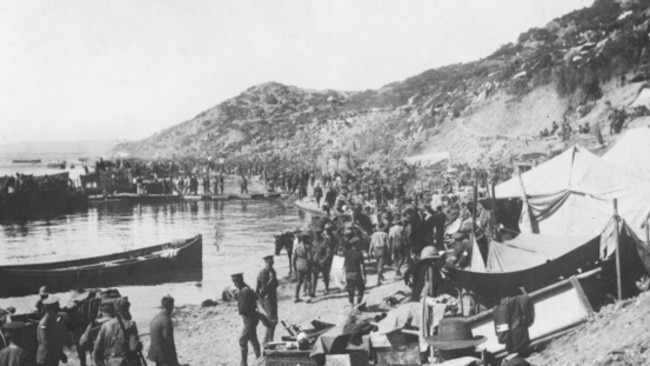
13,354
117,342
266,290
244,184
248,310
318,194
302,263
221,181
355,271
162,349
322,260
378,250
51,335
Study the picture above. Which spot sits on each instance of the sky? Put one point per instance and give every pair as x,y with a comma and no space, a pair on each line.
125,69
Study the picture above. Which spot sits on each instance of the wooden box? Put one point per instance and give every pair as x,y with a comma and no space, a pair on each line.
350,359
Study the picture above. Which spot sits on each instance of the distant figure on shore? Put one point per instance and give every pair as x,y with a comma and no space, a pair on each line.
302,264
43,294
244,184
378,250
221,180
247,306
162,350
355,271
318,194
266,290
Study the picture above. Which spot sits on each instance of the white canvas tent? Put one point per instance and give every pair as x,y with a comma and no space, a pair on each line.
632,152
572,194
642,100
428,159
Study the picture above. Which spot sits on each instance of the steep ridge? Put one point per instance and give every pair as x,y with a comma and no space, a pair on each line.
488,110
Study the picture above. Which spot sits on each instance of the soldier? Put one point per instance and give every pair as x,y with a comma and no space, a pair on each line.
43,294
247,305
302,263
355,271
117,342
163,349
266,290
51,335
321,261
13,354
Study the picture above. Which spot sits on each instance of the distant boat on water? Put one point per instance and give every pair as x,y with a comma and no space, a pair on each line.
26,161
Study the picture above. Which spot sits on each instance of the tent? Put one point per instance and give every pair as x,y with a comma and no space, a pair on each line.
428,159
631,152
532,261
642,100
572,194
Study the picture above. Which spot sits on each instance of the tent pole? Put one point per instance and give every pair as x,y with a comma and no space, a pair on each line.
495,220
533,222
618,253
474,207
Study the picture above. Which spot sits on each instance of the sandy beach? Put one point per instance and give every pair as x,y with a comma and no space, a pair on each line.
209,336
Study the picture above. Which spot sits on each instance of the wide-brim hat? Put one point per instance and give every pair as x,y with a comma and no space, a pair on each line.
454,333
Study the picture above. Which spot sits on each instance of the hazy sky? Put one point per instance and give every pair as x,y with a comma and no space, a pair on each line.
79,69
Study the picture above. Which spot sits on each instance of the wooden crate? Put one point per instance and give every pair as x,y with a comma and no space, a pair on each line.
350,359
288,358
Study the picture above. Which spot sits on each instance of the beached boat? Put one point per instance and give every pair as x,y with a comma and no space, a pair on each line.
171,262
26,161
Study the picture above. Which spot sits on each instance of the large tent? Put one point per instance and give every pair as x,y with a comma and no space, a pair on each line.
572,194
631,152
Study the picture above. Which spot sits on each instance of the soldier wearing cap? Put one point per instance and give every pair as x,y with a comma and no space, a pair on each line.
162,349
51,335
424,271
42,293
247,305
322,255
266,290
117,341
302,263
13,354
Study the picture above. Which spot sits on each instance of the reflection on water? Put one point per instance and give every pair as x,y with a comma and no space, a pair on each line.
236,234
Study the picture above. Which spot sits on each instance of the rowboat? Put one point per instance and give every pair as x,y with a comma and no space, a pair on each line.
178,261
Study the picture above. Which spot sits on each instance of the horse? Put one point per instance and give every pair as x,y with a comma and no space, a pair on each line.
285,240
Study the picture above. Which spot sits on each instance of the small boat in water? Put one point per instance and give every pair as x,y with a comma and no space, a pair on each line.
26,161
179,261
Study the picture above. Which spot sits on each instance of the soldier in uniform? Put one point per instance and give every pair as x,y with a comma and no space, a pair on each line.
248,310
13,354
117,342
266,290
43,294
321,261
162,350
51,335
302,263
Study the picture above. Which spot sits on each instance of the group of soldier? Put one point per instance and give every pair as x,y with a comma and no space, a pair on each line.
116,342
265,294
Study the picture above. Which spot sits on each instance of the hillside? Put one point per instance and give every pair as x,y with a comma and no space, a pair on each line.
488,110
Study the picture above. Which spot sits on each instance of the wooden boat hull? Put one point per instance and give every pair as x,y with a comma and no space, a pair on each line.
171,262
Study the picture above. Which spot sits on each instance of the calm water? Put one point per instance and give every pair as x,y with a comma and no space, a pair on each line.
236,234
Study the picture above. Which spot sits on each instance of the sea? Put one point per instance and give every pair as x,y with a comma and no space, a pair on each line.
236,235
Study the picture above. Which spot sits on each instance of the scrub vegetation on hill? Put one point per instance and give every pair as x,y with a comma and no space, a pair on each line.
487,110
